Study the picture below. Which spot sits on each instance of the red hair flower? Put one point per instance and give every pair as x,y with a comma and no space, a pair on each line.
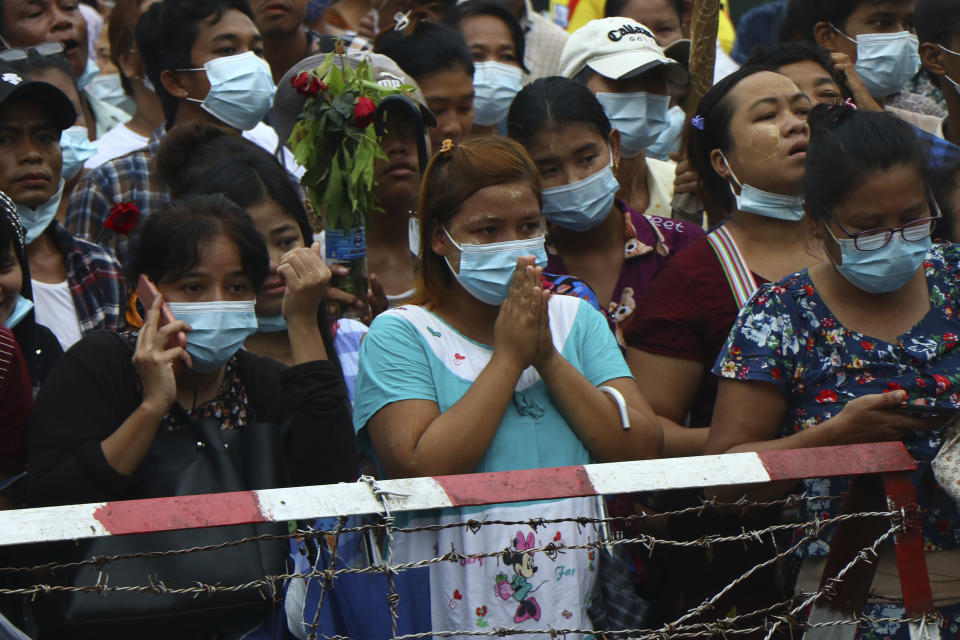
123,218
363,112
307,84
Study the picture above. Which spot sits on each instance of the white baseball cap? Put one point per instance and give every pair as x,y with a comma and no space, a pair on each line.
616,48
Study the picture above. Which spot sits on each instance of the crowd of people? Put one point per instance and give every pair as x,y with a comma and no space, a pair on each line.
536,299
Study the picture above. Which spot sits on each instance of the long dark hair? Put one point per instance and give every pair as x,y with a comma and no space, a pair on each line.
201,158
426,48
712,131
847,145
553,101
179,233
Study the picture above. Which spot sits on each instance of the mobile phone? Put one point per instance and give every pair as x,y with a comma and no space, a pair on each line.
147,292
921,411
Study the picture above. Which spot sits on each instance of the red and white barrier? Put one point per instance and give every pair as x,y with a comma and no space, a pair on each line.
73,522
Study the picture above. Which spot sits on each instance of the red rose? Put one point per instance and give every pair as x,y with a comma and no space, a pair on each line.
867,345
307,84
123,218
363,112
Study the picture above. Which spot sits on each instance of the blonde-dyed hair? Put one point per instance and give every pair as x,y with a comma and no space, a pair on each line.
453,176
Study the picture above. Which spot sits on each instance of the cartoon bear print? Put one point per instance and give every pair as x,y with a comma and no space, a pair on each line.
621,312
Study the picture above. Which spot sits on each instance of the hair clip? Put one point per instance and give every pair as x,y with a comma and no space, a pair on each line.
402,20
697,122
850,103
446,146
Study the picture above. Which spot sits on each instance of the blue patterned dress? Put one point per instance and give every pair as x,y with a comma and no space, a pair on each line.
786,335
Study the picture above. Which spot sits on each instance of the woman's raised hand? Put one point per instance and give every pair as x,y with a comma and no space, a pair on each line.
306,276
520,322
154,361
844,65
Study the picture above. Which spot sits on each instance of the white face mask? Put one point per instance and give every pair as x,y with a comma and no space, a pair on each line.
639,117
763,203
885,61
582,205
107,87
36,221
486,270
495,85
241,90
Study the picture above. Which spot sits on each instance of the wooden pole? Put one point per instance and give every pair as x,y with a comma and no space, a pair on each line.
703,53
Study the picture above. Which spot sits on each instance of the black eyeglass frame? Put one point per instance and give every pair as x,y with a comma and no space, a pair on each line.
890,231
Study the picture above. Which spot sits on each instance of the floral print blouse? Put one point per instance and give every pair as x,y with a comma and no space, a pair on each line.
786,335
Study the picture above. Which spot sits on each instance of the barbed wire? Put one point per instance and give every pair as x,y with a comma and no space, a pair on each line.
649,541
783,615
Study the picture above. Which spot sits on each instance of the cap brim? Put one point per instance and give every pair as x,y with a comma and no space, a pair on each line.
629,64
391,102
679,50
50,98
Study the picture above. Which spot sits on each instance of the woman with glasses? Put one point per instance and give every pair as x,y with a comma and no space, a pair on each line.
832,354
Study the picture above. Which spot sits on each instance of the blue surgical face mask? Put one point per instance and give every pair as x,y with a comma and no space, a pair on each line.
669,139
486,270
763,203
583,204
89,73
494,84
639,117
19,312
885,61
271,324
148,83
36,221
107,87
219,330
882,270
241,90
77,149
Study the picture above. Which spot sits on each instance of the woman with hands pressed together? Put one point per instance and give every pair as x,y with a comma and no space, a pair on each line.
827,356
489,372
111,395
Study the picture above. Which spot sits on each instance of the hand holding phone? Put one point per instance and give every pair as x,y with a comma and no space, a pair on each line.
923,411
147,292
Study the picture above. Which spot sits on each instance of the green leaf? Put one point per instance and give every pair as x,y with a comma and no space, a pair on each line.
324,67
333,196
343,104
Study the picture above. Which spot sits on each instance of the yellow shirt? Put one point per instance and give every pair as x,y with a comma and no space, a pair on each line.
573,14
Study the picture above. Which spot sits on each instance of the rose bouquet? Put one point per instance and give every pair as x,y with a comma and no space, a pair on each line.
335,141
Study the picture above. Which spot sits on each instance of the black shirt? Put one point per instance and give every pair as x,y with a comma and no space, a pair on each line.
94,387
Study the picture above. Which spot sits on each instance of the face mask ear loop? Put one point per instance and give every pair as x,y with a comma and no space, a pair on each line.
730,169
454,242
842,33
836,241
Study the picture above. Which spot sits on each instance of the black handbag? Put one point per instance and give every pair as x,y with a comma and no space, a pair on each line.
195,458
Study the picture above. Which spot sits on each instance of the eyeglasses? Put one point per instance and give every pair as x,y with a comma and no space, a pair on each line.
44,49
873,239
